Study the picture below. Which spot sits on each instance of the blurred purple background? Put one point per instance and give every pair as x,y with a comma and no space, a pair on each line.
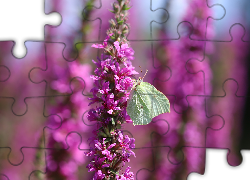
44,101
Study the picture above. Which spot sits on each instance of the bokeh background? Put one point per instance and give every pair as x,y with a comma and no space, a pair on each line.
196,55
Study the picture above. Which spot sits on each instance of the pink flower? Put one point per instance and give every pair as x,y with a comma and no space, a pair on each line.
100,46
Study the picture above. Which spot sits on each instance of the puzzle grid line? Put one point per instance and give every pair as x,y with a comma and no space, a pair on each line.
149,40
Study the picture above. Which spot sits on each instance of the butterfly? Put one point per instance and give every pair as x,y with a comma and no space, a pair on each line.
146,102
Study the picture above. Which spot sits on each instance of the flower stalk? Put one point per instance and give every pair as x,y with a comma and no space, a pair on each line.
113,83
62,162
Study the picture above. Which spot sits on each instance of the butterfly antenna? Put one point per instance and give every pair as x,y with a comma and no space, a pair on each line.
144,74
140,68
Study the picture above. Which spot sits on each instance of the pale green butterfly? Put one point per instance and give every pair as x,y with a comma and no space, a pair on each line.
146,102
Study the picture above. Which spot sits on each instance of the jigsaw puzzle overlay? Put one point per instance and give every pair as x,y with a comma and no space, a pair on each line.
196,53
219,157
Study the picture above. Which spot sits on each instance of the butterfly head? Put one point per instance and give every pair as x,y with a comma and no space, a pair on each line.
138,81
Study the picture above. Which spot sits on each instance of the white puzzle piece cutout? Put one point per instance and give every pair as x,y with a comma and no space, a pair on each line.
23,20
217,167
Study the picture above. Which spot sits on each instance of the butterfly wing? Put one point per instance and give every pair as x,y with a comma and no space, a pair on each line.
145,103
157,102
137,108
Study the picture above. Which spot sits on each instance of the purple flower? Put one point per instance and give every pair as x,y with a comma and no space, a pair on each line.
186,125
61,162
113,83
98,175
127,175
100,46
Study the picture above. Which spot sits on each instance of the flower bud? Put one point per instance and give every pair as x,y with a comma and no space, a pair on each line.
117,17
112,22
111,31
124,26
119,32
124,41
116,7
122,3
126,2
122,16
125,31
126,13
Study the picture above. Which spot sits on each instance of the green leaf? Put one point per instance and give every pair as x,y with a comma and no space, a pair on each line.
113,121
112,37
120,22
145,103
108,139
100,133
126,8
114,172
112,11
119,126
106,130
